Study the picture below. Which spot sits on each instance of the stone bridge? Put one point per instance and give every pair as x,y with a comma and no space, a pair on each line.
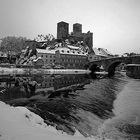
110,64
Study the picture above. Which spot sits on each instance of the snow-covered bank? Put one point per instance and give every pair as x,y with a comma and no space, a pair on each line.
69,71
101,72
18,123
22,71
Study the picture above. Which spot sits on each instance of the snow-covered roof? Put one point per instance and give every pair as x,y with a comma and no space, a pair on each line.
62,50
73,47
72,52
98,52
105,51
46,51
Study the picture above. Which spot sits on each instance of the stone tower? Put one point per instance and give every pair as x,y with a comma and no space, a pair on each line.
77,28
62,30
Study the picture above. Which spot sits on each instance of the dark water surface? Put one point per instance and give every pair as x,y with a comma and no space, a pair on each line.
109,107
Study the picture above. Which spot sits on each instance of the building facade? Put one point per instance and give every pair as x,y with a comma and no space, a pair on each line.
47,55
71,59
65,57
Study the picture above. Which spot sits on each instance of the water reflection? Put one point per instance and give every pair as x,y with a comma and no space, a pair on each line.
25,87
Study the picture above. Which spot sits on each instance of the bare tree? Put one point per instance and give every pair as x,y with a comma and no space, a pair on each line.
48,39
12,44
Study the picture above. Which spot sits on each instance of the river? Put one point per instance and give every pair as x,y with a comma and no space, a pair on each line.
104,107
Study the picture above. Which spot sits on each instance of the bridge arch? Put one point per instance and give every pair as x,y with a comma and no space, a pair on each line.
94,67
111,68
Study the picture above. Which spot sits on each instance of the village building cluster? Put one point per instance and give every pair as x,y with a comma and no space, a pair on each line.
70,50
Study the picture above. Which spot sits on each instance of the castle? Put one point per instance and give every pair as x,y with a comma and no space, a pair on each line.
76,35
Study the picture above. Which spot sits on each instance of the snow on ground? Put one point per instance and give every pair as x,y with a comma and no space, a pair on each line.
18,123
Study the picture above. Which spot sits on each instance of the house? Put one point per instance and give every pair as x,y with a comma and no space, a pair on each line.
105,52
68,57
47,55
71,58
96,55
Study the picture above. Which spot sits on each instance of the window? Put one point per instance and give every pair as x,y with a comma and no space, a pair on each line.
63,51
46,55
41,55
67,51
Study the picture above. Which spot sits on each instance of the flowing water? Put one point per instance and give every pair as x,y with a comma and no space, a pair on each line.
104,107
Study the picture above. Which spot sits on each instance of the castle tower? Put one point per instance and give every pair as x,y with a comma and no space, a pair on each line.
88,39
77,28
62,30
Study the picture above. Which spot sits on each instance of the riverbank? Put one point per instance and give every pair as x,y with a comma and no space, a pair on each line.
21,71
18,123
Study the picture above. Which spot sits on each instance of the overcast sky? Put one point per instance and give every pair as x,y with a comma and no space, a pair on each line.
115,23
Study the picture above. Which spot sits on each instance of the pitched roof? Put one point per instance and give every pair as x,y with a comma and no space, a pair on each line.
62,50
